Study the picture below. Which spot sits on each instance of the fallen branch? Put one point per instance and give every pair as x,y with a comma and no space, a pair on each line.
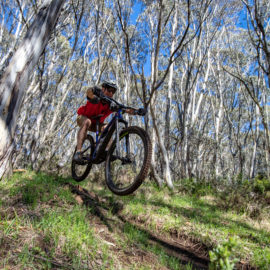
19,170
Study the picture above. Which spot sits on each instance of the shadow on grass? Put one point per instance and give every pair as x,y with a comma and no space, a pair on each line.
41,188
209,215
100,208
201,212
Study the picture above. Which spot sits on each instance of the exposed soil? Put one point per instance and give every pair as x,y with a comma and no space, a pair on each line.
108,221
175,245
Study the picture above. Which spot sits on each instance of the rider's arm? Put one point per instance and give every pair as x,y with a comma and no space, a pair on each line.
91,97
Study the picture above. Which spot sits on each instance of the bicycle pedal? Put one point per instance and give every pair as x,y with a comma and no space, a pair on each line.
126,161
81,162
88,158
113,158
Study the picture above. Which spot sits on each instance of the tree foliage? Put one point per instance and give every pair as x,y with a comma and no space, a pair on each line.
198,67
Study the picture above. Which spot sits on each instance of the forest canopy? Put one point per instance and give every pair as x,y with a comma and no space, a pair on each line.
200,68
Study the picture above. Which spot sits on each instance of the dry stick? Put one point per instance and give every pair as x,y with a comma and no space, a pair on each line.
53,262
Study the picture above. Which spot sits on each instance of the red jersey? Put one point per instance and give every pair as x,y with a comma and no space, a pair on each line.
89,110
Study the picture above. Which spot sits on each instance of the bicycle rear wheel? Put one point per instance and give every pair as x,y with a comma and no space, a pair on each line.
81,170
126,170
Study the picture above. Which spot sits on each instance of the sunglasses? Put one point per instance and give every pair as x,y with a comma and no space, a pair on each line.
110,90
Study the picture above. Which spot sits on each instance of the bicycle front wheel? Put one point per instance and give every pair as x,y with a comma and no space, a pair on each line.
128,165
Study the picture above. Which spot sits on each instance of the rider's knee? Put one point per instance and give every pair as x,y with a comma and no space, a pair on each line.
83,121
87,123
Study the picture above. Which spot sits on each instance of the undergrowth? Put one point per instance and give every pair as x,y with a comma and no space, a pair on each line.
208,215
45,225
249,197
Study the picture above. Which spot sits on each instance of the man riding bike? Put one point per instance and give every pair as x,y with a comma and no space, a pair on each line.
91,109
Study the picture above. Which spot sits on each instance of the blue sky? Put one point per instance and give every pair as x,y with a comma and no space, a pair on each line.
137,9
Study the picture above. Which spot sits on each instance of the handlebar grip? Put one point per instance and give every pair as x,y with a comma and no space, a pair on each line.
114,107
141,111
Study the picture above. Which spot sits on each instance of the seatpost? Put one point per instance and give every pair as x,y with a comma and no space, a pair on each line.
97,129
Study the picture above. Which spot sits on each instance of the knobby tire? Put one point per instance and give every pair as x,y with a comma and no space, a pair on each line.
85,168
141,142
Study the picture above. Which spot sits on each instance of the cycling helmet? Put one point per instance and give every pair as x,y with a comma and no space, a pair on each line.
109,84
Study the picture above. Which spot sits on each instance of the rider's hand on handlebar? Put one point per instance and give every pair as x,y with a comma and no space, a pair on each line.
130,111
141,111
114,107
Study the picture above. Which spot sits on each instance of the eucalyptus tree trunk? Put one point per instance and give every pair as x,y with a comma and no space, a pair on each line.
255,142
167,172
23,21
258,30
218,112
36,130
16,76
197,104
156,43
98,40
170,84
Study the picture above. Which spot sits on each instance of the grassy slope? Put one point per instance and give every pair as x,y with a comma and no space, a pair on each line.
48,222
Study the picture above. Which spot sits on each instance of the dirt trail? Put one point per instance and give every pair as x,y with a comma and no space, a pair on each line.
107,218
182,248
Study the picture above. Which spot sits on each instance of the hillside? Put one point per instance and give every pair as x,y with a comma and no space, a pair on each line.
49,222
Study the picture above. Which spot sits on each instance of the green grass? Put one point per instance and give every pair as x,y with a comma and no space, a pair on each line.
70,230
203,220
42,226
132,236
47,223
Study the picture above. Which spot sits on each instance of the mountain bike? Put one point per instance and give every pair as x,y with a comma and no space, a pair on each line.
128,157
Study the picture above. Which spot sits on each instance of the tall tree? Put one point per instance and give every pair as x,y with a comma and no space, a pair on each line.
255,78
15,78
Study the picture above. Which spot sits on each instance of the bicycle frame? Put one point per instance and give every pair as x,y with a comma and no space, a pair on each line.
106,134
124,148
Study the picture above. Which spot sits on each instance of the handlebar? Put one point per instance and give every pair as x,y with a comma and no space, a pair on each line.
98,92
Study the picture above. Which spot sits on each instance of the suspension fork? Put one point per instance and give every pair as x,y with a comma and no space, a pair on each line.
117,137
119,116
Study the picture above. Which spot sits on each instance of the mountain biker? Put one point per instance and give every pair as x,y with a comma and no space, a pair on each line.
92,108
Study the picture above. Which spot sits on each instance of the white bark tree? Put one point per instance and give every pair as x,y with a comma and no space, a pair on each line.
16,76
203,121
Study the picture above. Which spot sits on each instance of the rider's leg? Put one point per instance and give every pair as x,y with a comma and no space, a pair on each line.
84,124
